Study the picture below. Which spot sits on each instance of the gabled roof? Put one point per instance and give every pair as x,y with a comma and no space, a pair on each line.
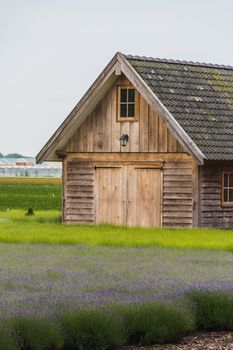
195,100
199,96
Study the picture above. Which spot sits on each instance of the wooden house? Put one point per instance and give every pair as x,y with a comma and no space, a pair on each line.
149,144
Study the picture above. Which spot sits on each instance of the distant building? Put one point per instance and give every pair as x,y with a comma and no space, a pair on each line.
28,167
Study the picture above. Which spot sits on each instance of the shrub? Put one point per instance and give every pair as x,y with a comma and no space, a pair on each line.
37,334
30,212
156,323
214,310
7,341
91,329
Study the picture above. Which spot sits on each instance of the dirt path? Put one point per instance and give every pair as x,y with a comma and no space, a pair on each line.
199,341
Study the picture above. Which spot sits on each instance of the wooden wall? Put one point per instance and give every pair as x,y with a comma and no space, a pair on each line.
177,187
78,191
177,194
212,212
100,132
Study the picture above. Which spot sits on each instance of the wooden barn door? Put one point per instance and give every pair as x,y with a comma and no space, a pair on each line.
143,196
109,187
128,195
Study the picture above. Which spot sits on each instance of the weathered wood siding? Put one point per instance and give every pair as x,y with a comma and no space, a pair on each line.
100,132
78,196
213,214
176,187
178,194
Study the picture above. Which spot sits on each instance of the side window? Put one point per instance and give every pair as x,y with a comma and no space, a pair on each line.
127,104
227,187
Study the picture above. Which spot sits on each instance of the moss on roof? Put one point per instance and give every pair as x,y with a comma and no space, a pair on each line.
199,96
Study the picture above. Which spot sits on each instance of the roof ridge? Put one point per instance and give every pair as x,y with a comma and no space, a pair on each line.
190,63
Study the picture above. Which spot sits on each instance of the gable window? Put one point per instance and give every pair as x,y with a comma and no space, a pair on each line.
127,103
227,187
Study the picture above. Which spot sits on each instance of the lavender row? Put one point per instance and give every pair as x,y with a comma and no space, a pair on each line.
46,279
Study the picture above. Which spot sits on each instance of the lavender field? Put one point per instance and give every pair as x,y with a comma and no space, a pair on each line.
44,279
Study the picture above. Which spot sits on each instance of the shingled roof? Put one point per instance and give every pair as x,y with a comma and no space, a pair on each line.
198,95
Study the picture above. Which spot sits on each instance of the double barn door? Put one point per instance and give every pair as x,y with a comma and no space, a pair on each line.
128,194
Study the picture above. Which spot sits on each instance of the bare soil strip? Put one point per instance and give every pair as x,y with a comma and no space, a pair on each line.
199,341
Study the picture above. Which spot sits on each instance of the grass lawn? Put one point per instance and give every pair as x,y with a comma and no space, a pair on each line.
44,196
45,227
22,193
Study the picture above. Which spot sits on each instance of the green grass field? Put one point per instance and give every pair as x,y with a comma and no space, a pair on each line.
44,196
45,227
22,193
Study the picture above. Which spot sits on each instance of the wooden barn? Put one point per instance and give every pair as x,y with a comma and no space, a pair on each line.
149,144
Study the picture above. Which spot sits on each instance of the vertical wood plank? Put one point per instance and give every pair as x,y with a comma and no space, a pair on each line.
97,186
153,131
84,130
172,143
134,137
78,139
99,135
90,133
64,189
180,148
131,199
162,137
196,201
108,123
124,195
116,128
125,129
143,125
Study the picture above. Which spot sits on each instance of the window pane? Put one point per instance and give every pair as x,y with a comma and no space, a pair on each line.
230,180
131,110
225,195
225,180
123,110
131,95
123,95
230,195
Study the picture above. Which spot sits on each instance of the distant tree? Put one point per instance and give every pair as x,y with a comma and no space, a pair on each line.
1,155
14,155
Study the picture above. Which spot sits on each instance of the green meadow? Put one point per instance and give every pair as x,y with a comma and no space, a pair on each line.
44,196
25,192
45,227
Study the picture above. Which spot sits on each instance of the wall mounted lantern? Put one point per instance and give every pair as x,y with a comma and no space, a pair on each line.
124,139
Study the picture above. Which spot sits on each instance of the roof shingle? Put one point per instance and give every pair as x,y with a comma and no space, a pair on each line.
198,95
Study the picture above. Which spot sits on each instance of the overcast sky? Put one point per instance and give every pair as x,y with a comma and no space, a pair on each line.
52,50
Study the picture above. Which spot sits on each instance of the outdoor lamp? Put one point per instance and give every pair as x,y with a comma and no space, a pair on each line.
124,139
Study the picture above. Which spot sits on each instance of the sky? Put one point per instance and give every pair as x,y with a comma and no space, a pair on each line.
51,51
